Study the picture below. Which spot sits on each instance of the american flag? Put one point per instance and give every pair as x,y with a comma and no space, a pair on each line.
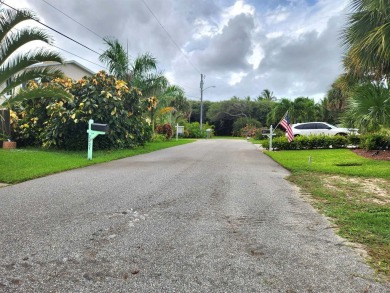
285,123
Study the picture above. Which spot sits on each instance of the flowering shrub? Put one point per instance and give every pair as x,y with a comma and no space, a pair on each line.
245,127
165,129
250,131
63,124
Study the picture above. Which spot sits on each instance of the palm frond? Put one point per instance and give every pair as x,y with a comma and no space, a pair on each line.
14,40
47,92
10,18
369,107
21,62
31,74
366,38
143,64
115,58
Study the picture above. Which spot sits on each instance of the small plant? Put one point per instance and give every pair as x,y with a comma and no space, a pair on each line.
158,138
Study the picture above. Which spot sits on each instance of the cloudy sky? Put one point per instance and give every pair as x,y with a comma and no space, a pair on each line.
291,47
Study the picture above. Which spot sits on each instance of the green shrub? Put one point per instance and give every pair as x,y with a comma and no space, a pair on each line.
192,130
354,139
159,138
55,123
375,141
307,142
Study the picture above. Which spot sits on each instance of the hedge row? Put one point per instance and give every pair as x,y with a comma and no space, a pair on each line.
372,141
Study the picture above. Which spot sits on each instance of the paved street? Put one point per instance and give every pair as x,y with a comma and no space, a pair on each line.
210,216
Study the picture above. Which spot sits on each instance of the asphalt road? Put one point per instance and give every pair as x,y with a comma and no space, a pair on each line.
211,216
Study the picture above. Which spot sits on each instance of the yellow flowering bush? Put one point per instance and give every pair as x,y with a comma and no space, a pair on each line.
63,124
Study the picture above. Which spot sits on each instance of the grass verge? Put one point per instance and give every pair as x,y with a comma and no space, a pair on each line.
353,191
24,164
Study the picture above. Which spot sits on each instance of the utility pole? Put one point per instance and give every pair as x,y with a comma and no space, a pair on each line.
201,100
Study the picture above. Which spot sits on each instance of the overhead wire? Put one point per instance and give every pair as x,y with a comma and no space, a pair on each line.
54,46
64,35
101,66
68,16
53,29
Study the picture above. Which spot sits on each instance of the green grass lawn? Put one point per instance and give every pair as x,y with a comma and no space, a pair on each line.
24,164
338,161
353,191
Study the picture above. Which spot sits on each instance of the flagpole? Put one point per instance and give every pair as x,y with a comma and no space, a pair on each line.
281,119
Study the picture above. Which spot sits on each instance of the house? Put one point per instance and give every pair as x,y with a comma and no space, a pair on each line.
71,69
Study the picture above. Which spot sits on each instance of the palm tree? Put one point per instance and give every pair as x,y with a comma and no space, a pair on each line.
369,107
171,101
14,69
367,39
142,73
116,59
145,76
337,96
266,94
278,111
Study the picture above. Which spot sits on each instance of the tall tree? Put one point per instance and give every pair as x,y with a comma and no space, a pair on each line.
14,63
367,39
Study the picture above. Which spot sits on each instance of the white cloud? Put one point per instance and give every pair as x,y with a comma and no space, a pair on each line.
236,77
256,57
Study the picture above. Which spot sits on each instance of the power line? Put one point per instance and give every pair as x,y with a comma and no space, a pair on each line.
96,34
170,37
101,66
58,32
52,45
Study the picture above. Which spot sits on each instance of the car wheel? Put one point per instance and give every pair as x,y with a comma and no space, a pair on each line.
342,134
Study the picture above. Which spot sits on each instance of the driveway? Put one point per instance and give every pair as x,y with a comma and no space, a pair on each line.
210,216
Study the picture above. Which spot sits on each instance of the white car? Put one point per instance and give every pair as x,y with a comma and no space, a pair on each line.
320,128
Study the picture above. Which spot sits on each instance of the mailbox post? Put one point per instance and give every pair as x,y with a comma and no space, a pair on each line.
270,133
94,129
179,130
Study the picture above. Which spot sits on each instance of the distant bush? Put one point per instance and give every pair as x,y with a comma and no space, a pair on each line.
245,127
192,130
164,129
